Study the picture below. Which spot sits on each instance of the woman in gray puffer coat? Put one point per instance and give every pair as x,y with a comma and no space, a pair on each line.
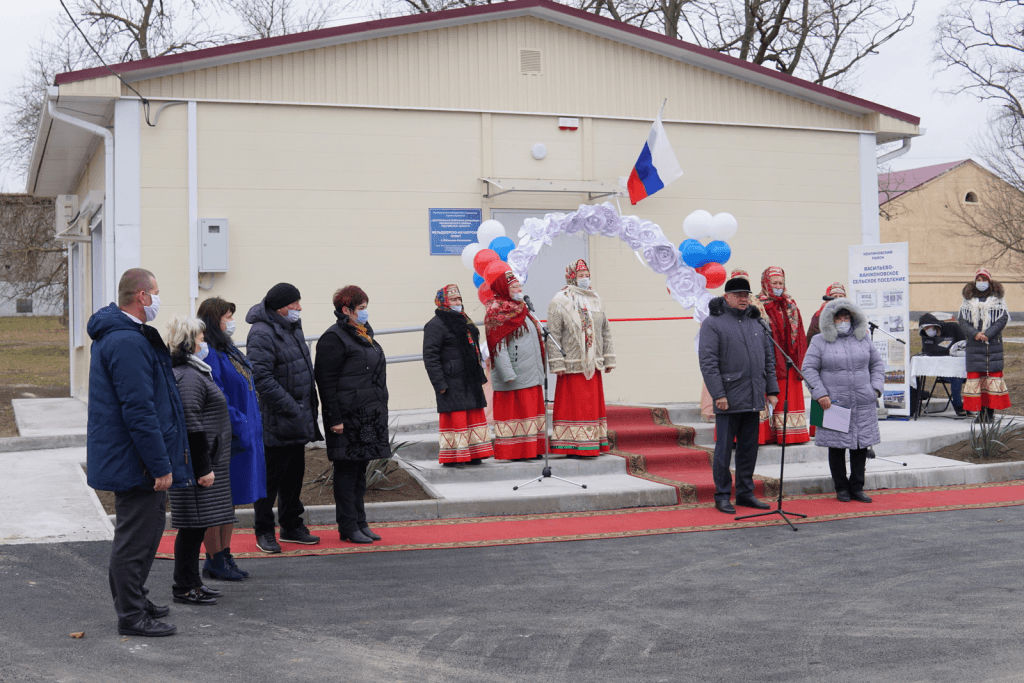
983,315
843,367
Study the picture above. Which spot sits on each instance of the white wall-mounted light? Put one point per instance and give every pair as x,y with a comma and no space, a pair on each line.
539,151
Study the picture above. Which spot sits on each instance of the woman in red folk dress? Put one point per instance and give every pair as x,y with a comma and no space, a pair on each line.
517,373
788,330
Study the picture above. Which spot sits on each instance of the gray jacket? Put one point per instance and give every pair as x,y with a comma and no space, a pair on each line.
736,358
849,370
519,364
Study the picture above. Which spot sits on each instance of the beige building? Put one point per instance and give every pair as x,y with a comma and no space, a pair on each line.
321,154
926,207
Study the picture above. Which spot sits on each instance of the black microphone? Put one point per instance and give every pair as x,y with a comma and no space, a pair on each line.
529,304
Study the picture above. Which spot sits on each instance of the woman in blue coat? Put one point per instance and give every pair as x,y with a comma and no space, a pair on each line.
233,374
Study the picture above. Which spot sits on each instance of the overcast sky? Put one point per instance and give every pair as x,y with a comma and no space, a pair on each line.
901,76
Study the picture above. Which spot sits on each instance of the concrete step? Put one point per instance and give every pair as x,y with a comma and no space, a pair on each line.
520,470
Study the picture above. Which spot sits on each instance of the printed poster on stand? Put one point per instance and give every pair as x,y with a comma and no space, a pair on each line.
880,285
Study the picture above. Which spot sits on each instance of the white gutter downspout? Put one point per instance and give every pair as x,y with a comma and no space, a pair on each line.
896,153
193,207
53,93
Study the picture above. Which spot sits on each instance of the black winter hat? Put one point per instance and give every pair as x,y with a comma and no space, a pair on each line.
282,294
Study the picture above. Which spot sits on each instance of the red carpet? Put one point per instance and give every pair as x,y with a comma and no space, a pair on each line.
578,526
657,450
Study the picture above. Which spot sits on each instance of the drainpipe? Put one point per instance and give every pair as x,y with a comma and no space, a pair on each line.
53,93
896,153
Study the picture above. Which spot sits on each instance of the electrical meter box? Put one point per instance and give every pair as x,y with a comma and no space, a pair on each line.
213,245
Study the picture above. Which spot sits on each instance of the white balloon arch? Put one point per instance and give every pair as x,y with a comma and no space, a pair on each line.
686,285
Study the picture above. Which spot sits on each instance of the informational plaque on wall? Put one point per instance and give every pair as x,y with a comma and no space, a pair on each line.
452,229
880,285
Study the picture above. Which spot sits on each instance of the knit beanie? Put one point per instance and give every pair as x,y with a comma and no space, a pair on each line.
282,294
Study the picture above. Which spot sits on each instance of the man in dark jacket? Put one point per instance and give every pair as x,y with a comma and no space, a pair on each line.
738,365
283,373
137,442
936,339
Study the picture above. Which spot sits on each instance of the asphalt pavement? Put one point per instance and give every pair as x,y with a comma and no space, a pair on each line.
926,597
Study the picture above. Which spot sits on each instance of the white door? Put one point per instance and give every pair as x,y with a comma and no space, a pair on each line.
547,272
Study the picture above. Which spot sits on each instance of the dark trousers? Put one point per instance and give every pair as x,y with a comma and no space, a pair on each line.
140,523
837,463
349,490
956,385
286,466
186,560
743,428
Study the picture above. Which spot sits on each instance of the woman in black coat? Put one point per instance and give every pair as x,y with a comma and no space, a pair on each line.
351,375
983,315
451,355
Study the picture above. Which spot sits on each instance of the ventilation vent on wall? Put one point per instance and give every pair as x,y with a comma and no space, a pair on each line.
529,62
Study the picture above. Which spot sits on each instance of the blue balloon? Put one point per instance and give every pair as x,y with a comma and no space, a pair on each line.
718,252
477,280
693,252
502,245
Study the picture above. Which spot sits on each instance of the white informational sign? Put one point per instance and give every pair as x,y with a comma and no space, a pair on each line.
880,285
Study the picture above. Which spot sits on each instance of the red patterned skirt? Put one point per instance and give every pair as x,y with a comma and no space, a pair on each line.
983,390
519,428
579,424
463,436
796,429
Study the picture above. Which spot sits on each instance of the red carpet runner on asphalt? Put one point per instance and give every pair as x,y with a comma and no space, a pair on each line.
657,450
580,526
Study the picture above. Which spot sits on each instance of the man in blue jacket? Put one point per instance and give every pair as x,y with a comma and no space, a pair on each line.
738,364
137,444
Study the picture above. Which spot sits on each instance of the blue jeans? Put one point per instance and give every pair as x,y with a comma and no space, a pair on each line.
955,385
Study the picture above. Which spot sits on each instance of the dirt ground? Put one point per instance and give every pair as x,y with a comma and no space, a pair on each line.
33,363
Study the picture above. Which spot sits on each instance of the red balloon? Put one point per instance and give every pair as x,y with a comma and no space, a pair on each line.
484,293
714,273
494,269
482,258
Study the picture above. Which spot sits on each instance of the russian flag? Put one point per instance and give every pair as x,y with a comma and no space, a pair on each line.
657,165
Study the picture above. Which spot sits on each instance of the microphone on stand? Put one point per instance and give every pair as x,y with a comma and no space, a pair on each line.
529,304
765,325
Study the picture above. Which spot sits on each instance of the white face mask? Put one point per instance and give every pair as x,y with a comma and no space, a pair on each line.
203,351
518,297
293,315
457,308
363,316
229,327
777,292
982,286
583,282
843,328
153,308
931,332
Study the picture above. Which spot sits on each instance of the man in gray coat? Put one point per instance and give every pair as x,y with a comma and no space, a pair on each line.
738,365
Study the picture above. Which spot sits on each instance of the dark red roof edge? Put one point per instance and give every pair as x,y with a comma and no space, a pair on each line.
510,6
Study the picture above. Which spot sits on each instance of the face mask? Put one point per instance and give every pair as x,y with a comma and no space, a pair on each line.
362,316
293,315
204,350
982,286
457,308
583,282
931,332
153,308
229,327
518,297
778,292
843,328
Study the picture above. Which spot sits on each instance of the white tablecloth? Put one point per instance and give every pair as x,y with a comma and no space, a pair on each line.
938,366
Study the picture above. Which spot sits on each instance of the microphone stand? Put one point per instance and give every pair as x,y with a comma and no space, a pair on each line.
785,420
545,473
917,381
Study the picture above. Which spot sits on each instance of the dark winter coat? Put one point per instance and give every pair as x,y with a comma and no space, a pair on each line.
736,356
983,356
136,430
351,374
283,372
209,427
849,370
949,334
452,365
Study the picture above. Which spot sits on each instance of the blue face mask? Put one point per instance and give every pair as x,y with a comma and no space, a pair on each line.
457,308
203,351
843,328
362,316
293,315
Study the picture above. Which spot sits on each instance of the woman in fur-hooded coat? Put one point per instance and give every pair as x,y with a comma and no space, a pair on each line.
983,315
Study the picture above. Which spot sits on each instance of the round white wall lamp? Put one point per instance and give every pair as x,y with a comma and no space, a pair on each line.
539,151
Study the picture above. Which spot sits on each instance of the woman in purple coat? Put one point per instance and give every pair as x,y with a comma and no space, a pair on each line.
844,368
233,374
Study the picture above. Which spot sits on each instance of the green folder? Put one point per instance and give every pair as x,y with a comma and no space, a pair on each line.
817,414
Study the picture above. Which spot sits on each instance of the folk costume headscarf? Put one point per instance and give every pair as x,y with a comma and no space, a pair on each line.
460,325
784,316
506,318
836,290
584,301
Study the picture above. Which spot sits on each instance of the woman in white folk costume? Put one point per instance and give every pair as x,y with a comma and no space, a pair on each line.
577,322
983,316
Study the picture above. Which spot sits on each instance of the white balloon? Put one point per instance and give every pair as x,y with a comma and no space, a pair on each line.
488,230
468,252
698,225
723,226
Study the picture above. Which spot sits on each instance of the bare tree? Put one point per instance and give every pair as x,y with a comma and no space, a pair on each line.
890,188
268,18
33,265
140,29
